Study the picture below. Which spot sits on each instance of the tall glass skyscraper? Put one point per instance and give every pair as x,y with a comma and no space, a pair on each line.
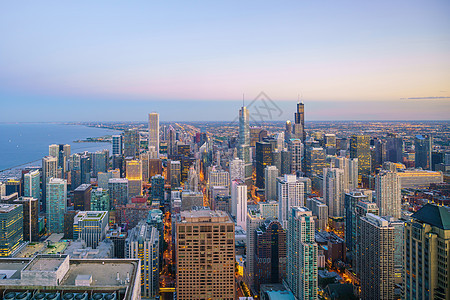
117,145
299,125
31,186
423,146
360,149
153,131
244,143
56,204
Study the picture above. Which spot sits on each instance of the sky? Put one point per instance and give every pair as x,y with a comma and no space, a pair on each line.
196,60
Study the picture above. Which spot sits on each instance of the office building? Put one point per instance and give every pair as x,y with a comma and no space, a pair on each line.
61,153
270,254
219,178
360,149
131,143
153,131
377,265
237,169
388,194
155,218
426,254
295,147
302,254
299,125
104,177
419,179
239,202
175,173
134,176
423,146
82,197
394,149
117,144
91,227
315,160
11,223
190,199
269,209
205,242
254,220
351,199
285,162
30,208
263,159
49,170
118,192
320,211
270,177
290,192
100,200
143,243
333,191
117,237
56,204
31,184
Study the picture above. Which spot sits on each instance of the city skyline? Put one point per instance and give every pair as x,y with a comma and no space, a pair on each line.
362,61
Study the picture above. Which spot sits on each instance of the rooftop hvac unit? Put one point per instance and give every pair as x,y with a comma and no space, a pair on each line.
9,296
110,296
23,296
104,296
39,296
97,296
53,296
75,296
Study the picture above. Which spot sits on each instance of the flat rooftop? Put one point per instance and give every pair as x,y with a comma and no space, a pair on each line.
6,208
214,216
42,263
12,268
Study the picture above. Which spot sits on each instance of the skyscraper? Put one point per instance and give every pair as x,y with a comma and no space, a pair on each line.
388,194
302,254
350,167
360,149
377,265
175,173
31,184
333,191
296,152
244,143
82,197
100,200
205,242
134,176
157,193
270,177
11,223
56,204
100,162
426,252
118,192
254,220
153,131
423,146
49,170
237,170
351,199
394,149
117,144
290,192
239,202
131,143
263,159
270,254
315,160
143,243
299,126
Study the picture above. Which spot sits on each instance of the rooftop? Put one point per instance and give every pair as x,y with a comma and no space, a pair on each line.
194,216
438,216
6,208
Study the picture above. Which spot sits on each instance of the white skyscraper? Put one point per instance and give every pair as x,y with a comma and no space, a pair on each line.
239,202
290,193
388,194
296,151
270,178
350,167
237,170
153,131
333,191
302,254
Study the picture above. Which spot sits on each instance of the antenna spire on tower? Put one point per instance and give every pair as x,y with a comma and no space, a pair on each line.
243,97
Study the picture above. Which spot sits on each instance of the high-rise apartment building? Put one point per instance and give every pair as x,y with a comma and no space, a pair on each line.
377,265
290,192
153,131
56,204
302,254
205,255
219,178
91,227
157,193
117,144
11,223
351,199
49,170
100,200
31,184
426,253
315,160
295,147
254,220
131,143
100,162
333,191
143,243
237,169
269,209
118,192
388,194
360,149
239,202
320,211
350,167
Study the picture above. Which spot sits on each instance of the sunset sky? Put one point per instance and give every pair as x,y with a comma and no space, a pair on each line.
189,60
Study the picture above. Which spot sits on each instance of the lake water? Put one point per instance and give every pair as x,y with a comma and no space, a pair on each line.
27,143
